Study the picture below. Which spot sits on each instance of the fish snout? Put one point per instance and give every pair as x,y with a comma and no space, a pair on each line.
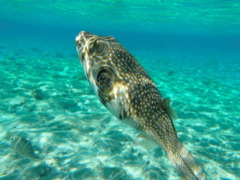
80,44
82,38
79,41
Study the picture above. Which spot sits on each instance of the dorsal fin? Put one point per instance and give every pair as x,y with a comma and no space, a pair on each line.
171,113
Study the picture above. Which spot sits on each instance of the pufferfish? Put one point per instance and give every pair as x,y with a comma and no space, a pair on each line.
126,90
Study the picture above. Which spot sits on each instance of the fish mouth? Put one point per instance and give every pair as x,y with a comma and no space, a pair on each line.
79,40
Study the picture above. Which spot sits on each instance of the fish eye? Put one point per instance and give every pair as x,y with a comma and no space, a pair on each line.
12,138
95,45
98,47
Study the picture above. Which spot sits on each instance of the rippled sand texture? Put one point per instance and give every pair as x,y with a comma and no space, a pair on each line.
45,98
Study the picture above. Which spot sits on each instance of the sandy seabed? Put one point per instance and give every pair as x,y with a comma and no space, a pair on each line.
46,99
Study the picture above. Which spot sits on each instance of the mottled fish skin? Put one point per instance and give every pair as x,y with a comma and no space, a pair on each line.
124,87
22,147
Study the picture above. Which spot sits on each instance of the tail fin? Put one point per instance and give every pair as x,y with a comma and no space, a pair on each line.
185,164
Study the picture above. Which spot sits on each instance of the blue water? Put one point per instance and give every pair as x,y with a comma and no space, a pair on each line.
190,49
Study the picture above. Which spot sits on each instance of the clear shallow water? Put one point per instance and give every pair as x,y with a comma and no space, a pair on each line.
45,97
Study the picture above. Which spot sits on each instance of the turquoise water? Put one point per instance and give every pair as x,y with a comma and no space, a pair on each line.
190,49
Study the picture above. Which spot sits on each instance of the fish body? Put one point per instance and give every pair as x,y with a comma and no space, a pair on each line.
22,147
125,88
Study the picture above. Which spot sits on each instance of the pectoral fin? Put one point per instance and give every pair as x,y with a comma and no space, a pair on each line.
171,113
